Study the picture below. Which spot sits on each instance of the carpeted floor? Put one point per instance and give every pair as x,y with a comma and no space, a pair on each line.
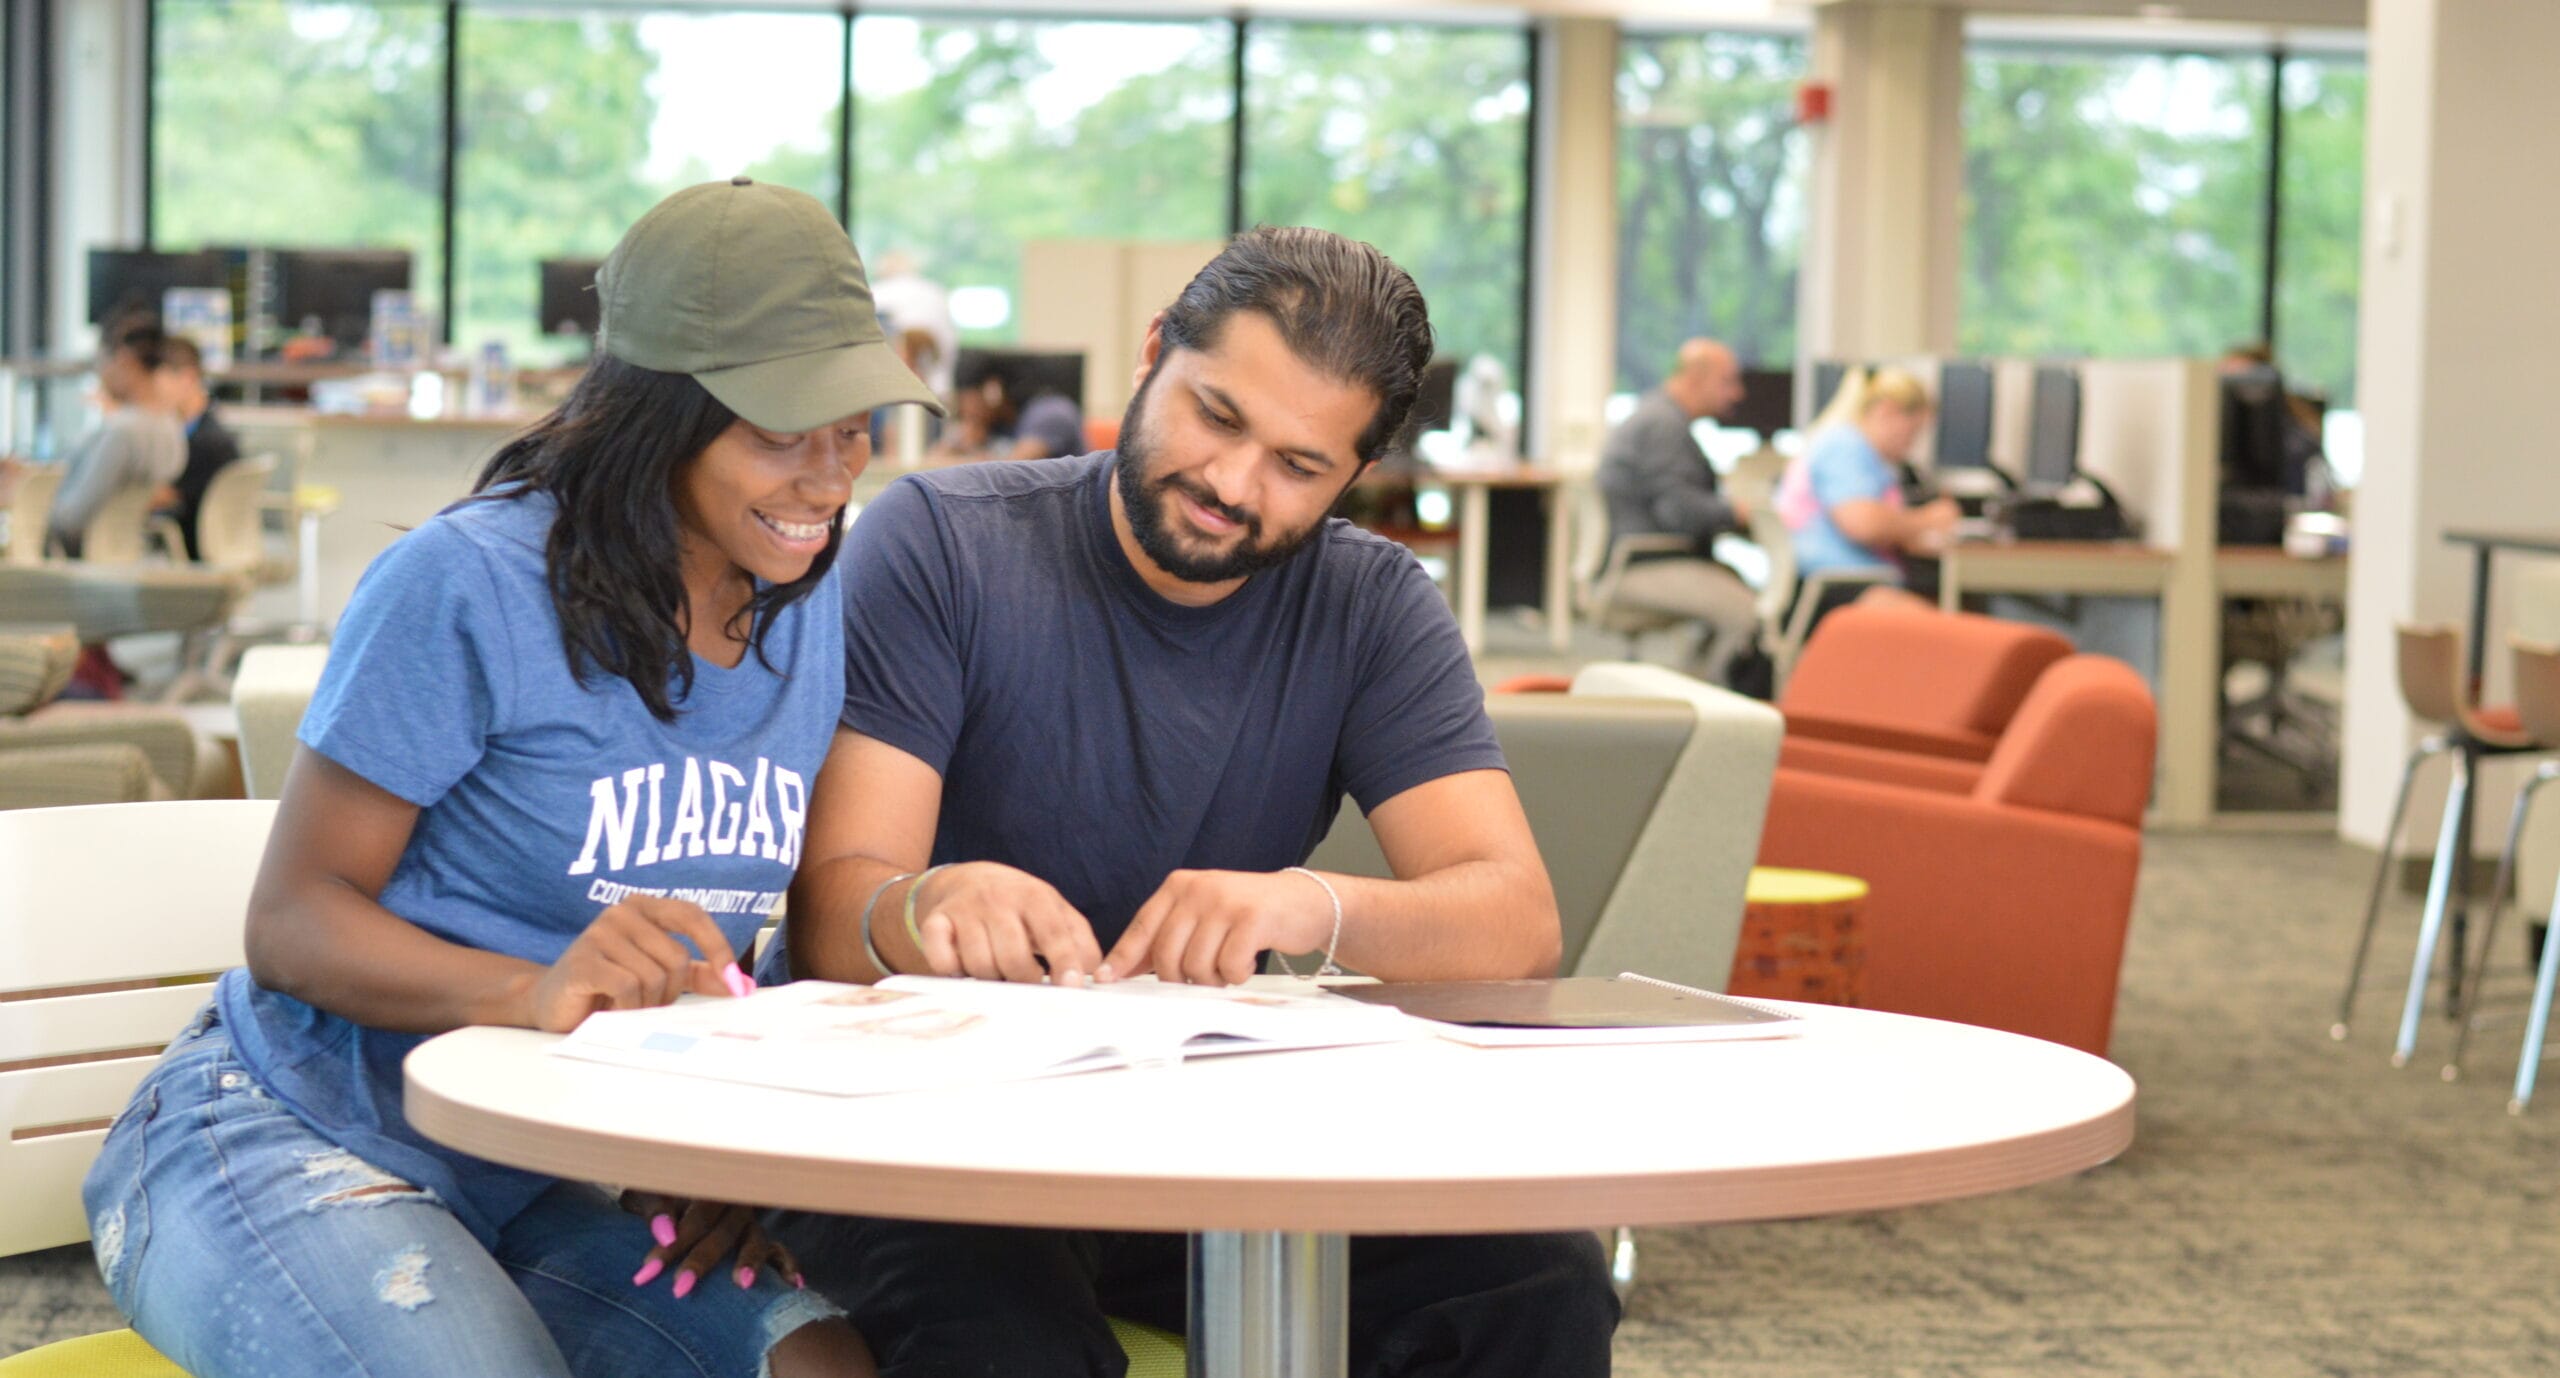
2291,1206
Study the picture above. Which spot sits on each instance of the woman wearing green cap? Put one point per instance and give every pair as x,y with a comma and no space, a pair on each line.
604,680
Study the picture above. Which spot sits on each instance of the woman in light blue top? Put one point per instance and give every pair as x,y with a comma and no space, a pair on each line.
559,762
1842,498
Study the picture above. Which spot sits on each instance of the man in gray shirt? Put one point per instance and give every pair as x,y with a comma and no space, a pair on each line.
140,444
1657,481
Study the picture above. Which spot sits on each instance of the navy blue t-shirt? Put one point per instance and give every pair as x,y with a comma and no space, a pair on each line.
542,801
1101,737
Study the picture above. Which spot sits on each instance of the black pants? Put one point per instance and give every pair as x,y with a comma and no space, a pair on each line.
941,1301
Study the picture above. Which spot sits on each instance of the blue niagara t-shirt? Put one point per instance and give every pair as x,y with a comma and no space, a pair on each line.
541,802
1098,736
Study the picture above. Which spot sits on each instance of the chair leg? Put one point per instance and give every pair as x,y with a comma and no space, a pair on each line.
1622,1263
2468,1017
2381,880
2537,1021
2439,898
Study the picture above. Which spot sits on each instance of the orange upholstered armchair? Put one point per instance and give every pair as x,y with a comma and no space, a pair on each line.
2004,906
1910,696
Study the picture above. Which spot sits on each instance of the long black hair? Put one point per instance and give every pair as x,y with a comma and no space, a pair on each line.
610,457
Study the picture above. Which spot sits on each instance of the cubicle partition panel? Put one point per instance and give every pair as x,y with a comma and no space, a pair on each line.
2135,437
1096,296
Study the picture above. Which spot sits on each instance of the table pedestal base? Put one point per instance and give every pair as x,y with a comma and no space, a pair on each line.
1270,1305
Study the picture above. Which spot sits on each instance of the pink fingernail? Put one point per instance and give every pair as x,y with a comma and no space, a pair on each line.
800,1282
647,1271
684,1282
662,1228
735,980
746,1278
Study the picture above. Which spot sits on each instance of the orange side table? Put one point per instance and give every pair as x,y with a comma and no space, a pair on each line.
1800,938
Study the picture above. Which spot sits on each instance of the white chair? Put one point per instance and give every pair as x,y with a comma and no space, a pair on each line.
31,513
161,893
1645,789
274,685
119,533
1787,602
1599,563
230,541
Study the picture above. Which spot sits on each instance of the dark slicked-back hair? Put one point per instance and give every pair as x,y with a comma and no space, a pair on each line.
1341,306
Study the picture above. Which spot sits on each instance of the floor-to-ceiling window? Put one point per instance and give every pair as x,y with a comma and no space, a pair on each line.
2114,201
1711,213
294,122
1412,137
571,123
297,123
2320,203
973,136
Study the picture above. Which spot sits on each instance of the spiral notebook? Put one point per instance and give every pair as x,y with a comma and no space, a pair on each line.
1626,1008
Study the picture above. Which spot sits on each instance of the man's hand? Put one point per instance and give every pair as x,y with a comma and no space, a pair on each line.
1210,928
996,923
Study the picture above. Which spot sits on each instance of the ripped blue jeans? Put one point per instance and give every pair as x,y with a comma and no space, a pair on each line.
241,1242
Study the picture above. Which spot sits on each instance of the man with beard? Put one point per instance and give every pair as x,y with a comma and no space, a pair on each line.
1097,713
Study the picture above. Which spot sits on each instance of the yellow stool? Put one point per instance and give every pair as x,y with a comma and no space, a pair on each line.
123,1354
115,1354
1800,938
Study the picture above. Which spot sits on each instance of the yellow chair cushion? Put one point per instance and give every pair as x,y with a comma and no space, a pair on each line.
1779,885
1152,1353
123,1354
115,1354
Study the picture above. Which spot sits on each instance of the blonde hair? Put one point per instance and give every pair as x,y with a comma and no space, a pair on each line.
1861,389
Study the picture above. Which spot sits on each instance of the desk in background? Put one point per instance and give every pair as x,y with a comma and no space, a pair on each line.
2190,593
1473,489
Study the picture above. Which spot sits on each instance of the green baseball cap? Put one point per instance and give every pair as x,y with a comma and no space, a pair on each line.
755,291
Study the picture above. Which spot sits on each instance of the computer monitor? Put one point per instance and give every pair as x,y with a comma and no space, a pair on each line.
570,303
1435,406
1027,373
1964,416
122,280
2253,424
330,291
2053,428
1768,403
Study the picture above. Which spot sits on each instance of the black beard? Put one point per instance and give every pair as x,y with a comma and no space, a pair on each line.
1143,499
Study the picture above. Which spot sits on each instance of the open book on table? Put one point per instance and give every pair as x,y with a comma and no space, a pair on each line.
920,1032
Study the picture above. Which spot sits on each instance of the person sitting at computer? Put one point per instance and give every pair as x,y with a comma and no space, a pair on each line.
1658,482
2307,472
988,421
211,447
1842,498
137,443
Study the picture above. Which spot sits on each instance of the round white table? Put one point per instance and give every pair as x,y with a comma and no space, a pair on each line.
1271,1161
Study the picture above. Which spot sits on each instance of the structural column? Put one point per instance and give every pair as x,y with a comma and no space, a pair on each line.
1885,223
1574,227
97,137
2455,352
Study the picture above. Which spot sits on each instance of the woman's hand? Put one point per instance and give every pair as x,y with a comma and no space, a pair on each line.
698,1236
630,958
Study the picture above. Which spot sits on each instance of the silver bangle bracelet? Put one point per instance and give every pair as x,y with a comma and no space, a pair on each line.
1326,967
870,948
